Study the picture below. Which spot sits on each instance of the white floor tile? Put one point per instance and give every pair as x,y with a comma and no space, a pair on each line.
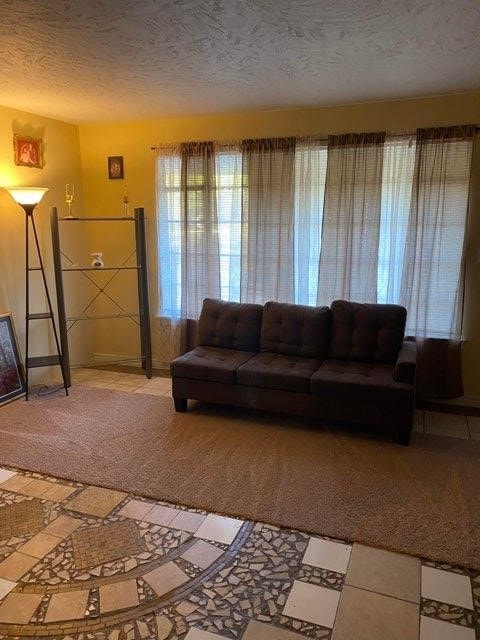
365,615
312,603
198,634
5,474
326,554
392,574
136,509
202,554
150,391
262,631
446,424
446,586
219,528
160,383
431,629
5,587
107,376
161,515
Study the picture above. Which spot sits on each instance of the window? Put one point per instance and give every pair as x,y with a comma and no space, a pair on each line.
310,170
427,246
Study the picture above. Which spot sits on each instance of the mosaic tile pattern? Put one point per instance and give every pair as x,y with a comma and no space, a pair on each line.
124,569
21,518
97,545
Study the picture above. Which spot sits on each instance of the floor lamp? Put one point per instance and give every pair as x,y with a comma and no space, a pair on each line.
28,198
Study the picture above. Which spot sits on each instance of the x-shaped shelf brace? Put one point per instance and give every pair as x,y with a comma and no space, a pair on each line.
102,290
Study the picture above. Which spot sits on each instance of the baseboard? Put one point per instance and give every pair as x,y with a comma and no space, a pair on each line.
125,359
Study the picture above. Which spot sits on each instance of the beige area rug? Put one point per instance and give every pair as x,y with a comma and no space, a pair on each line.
423,499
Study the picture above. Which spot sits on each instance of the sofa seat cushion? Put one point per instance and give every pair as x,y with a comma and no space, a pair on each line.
347,380
278,371
210,363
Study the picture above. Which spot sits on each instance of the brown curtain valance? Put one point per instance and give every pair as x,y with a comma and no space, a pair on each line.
357,139
458,132
268,144
197,148
346,139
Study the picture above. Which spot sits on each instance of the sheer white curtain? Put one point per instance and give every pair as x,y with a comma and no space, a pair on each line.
432,279
268,192
200,246
188,233
351,218
397,177
229,211
169,231
187,229
310,172
363,218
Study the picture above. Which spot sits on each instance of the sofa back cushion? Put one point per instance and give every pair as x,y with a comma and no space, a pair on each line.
295,330
231,325
366,332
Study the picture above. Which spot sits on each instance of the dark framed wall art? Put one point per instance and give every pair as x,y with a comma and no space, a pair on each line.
115,167
28,151
12,379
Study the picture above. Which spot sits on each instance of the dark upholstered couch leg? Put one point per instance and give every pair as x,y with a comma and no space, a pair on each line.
180,404
404,436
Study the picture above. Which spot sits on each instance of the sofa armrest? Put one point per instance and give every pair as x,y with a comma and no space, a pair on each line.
406,364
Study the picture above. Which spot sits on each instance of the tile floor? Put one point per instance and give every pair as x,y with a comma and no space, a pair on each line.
86,563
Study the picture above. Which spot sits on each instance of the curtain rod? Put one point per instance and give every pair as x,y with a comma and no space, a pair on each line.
321,138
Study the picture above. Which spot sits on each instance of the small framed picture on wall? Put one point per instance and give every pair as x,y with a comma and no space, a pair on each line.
12,379
28,152
115,167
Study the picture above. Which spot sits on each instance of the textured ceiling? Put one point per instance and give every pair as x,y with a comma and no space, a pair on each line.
90,60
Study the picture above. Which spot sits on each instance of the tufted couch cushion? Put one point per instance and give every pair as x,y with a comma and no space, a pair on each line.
366,332
295,330
278,371
368,382
210,363
230,325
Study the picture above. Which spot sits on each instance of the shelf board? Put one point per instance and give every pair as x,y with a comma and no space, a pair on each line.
42,361
39,316
104,317
102,219
101,268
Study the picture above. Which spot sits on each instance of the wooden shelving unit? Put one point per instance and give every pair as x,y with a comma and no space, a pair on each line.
143,316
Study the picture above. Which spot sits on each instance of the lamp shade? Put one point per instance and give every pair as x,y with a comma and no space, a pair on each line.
27,195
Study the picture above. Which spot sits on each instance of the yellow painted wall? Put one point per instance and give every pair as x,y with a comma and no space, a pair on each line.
62,165
134,139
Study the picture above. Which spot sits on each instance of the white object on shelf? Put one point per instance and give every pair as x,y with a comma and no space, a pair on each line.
97,261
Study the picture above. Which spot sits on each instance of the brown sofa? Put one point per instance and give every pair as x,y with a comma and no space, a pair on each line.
349,362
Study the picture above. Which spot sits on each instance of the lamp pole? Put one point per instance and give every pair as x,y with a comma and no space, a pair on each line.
28,198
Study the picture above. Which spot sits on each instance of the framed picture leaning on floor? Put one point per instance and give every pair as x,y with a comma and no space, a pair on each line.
12,379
